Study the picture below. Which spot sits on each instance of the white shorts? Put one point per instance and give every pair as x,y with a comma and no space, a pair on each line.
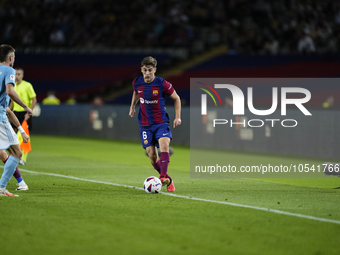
7,135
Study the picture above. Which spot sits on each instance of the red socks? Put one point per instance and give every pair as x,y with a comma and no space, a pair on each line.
157,166
16,173
164,163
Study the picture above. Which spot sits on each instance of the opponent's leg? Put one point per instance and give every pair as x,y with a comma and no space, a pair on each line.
17,174
10,165
21,183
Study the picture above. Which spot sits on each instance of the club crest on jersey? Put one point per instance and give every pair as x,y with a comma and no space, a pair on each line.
155,92
145,142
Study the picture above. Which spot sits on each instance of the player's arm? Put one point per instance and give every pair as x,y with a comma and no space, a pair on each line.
177,104
14,120
15,97
34,102
134,101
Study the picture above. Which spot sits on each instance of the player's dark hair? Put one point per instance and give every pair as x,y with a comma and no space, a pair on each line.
5,51
19,69
149,61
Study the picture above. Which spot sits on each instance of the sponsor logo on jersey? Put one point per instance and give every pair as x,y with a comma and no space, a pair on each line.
142,101
155,92
12,77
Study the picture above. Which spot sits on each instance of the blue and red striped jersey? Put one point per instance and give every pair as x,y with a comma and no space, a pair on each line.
152,100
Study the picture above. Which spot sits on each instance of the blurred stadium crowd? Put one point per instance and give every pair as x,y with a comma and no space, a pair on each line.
245,26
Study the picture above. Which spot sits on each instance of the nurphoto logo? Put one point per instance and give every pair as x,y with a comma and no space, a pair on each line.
239,104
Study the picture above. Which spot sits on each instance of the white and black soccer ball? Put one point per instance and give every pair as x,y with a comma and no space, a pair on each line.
152,185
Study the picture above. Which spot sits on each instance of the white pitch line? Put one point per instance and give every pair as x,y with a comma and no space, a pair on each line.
192,198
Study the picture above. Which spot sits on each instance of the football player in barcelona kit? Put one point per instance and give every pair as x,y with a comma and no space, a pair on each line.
155,130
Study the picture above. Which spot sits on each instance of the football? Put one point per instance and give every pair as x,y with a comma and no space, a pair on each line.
152,185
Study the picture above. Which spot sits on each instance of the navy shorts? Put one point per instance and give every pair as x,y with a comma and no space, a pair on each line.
149,135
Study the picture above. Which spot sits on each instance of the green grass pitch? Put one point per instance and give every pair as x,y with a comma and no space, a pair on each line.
59,215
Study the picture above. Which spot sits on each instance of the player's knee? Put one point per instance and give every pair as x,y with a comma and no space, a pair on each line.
15,151
164,148
18,154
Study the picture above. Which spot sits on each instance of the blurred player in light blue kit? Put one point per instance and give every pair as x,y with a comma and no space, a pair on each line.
8,139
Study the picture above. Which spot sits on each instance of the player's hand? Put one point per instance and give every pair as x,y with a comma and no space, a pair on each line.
28,110
177,122
25,137
27,117
132,112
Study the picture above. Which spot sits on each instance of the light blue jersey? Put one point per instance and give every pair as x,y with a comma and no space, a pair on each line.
7,75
